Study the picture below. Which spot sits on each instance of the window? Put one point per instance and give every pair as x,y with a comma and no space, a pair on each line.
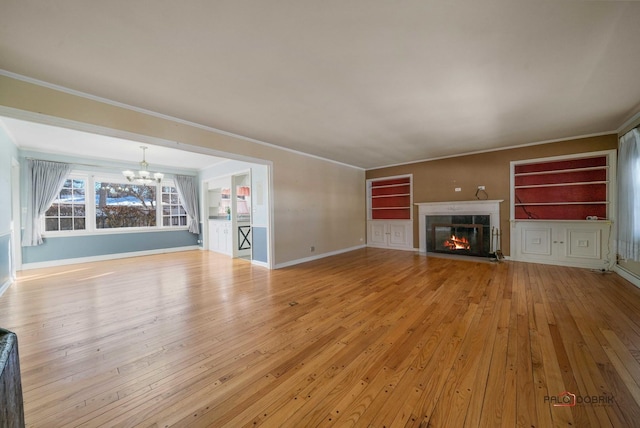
113,204
124,205
628,196
173,214
68,210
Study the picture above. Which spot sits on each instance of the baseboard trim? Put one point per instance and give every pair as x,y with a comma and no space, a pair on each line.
627,275
4,287
318,256
39,265
259,263
385,247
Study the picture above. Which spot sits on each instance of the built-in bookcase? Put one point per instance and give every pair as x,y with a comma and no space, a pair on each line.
389,212
390,198
574,188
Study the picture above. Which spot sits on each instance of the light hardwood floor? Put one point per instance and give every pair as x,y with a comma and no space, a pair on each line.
369,338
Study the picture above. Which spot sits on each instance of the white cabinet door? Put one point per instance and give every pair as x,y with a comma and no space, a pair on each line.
220,236
583,243
390,234
377,233
536,241
213,236
398,235
226,238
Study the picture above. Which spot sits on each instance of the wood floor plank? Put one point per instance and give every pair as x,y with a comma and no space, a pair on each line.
372,337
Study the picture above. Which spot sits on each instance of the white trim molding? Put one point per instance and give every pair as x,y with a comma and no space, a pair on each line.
632,278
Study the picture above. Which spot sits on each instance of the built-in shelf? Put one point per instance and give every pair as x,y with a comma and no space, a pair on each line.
389,198
389,212
560,209
562,188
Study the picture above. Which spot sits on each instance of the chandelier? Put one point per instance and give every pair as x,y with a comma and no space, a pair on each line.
144,176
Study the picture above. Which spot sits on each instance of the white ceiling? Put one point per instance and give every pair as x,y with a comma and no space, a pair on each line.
50,139
364,82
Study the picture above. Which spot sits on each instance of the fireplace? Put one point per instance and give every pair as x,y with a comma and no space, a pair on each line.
460,234
458,227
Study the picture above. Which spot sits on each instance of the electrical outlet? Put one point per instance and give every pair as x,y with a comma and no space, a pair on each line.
313,248
458,189
480,187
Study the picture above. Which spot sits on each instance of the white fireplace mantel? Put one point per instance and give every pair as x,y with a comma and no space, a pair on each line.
480,207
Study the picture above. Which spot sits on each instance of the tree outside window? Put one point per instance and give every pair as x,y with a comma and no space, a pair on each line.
124,205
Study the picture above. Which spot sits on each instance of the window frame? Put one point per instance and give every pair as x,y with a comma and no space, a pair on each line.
72,177
90,179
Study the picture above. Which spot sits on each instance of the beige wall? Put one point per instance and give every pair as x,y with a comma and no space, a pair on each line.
435,181
316,202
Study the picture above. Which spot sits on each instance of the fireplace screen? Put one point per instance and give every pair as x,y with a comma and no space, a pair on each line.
465,234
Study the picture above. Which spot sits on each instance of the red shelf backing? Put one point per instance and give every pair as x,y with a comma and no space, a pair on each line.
391,201
576,193
394,190
389,182
560,165
567,177
582,193
391,214
560,212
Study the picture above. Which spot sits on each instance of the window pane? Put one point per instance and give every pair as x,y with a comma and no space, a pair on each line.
51,224
78,224
172,209
69,205
65,195
124,205
66,210
78,195
52,211
66,224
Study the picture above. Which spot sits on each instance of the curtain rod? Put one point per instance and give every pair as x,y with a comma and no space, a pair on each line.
70,163
95,166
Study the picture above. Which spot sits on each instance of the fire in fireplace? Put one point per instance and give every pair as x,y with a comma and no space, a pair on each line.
459,234
457,243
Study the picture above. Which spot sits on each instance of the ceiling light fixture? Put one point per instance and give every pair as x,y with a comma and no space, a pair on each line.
144,176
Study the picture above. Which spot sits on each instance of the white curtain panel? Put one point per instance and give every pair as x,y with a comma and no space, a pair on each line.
188,191
629,196
44,181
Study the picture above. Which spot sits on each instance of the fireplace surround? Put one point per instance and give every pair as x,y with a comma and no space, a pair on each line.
472,220
468,234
